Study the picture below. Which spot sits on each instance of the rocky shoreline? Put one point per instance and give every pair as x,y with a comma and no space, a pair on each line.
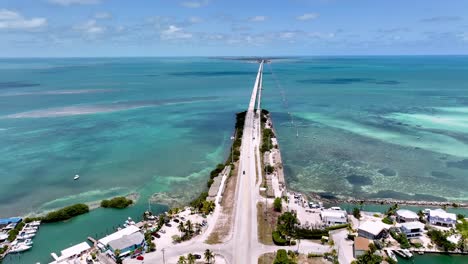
382,201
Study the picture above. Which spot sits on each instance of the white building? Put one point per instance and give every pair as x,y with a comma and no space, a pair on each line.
372,230
404,215
412,229
104,242
334,217
441,217
70,254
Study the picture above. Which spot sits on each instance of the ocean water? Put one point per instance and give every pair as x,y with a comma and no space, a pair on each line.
348,126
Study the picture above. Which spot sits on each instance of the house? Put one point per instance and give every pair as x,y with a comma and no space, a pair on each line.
412,229
372,230
106,242
404,215
334,217
70,254
441,217
127,243
360,246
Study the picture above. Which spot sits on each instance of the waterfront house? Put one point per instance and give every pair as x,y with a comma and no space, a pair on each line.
104,244
71,254
412,229
333,217
360,246
441,217
404,215
127,243
372,230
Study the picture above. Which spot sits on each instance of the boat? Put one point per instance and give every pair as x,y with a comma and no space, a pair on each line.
407,253
19,248
391,255
76,177
29,231
27,242
24,236
35,223
400,253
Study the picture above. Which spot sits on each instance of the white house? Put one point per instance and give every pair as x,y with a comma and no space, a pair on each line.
412,229
404,215
334,217
441,217
71,254
372,230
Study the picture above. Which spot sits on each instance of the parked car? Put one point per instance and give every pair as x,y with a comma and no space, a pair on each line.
197,256
176,220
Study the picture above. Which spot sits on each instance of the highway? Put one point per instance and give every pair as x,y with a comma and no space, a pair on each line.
243,247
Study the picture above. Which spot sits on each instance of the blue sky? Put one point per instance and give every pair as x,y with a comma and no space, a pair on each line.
77,28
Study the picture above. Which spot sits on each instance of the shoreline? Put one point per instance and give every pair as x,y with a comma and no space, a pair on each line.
387,201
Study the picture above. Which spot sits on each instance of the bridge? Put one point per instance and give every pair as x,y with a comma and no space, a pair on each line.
243,247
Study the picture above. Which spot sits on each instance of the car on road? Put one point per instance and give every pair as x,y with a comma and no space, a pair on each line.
243,172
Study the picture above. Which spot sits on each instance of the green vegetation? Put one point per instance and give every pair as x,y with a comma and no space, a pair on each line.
13,233
32,219
277,204
387,221
116,202
335,227
369,257
239,129
278,239
282,257
401,238
217,171
392,210
269,168
267,134
440,239
357,213
66,213
463,228
3,249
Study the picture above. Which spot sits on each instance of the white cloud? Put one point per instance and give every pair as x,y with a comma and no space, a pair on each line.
174,32
103,15
287,34
194,4
91,28
308,16
257,18
74,2
15,21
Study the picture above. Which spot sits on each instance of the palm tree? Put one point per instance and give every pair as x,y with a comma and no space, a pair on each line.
182,260
209,256
189,226
181,227
191,258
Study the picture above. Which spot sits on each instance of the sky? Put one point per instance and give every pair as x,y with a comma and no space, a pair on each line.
120,28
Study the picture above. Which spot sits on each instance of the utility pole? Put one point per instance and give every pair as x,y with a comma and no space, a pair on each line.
164,260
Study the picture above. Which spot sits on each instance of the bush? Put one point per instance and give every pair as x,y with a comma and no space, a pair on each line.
278,239
209,183
66,213
387,221
357,213
335,227
282,257
439,238
116,202
311,233
12,234
269,168
401,238
313,255
277,204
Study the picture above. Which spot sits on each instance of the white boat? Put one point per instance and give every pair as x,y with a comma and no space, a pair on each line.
24,236
35,223
29,231
27,242
19,248
76,177
407,253
391,255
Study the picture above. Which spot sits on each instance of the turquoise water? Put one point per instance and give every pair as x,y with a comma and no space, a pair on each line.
434,259
361,127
